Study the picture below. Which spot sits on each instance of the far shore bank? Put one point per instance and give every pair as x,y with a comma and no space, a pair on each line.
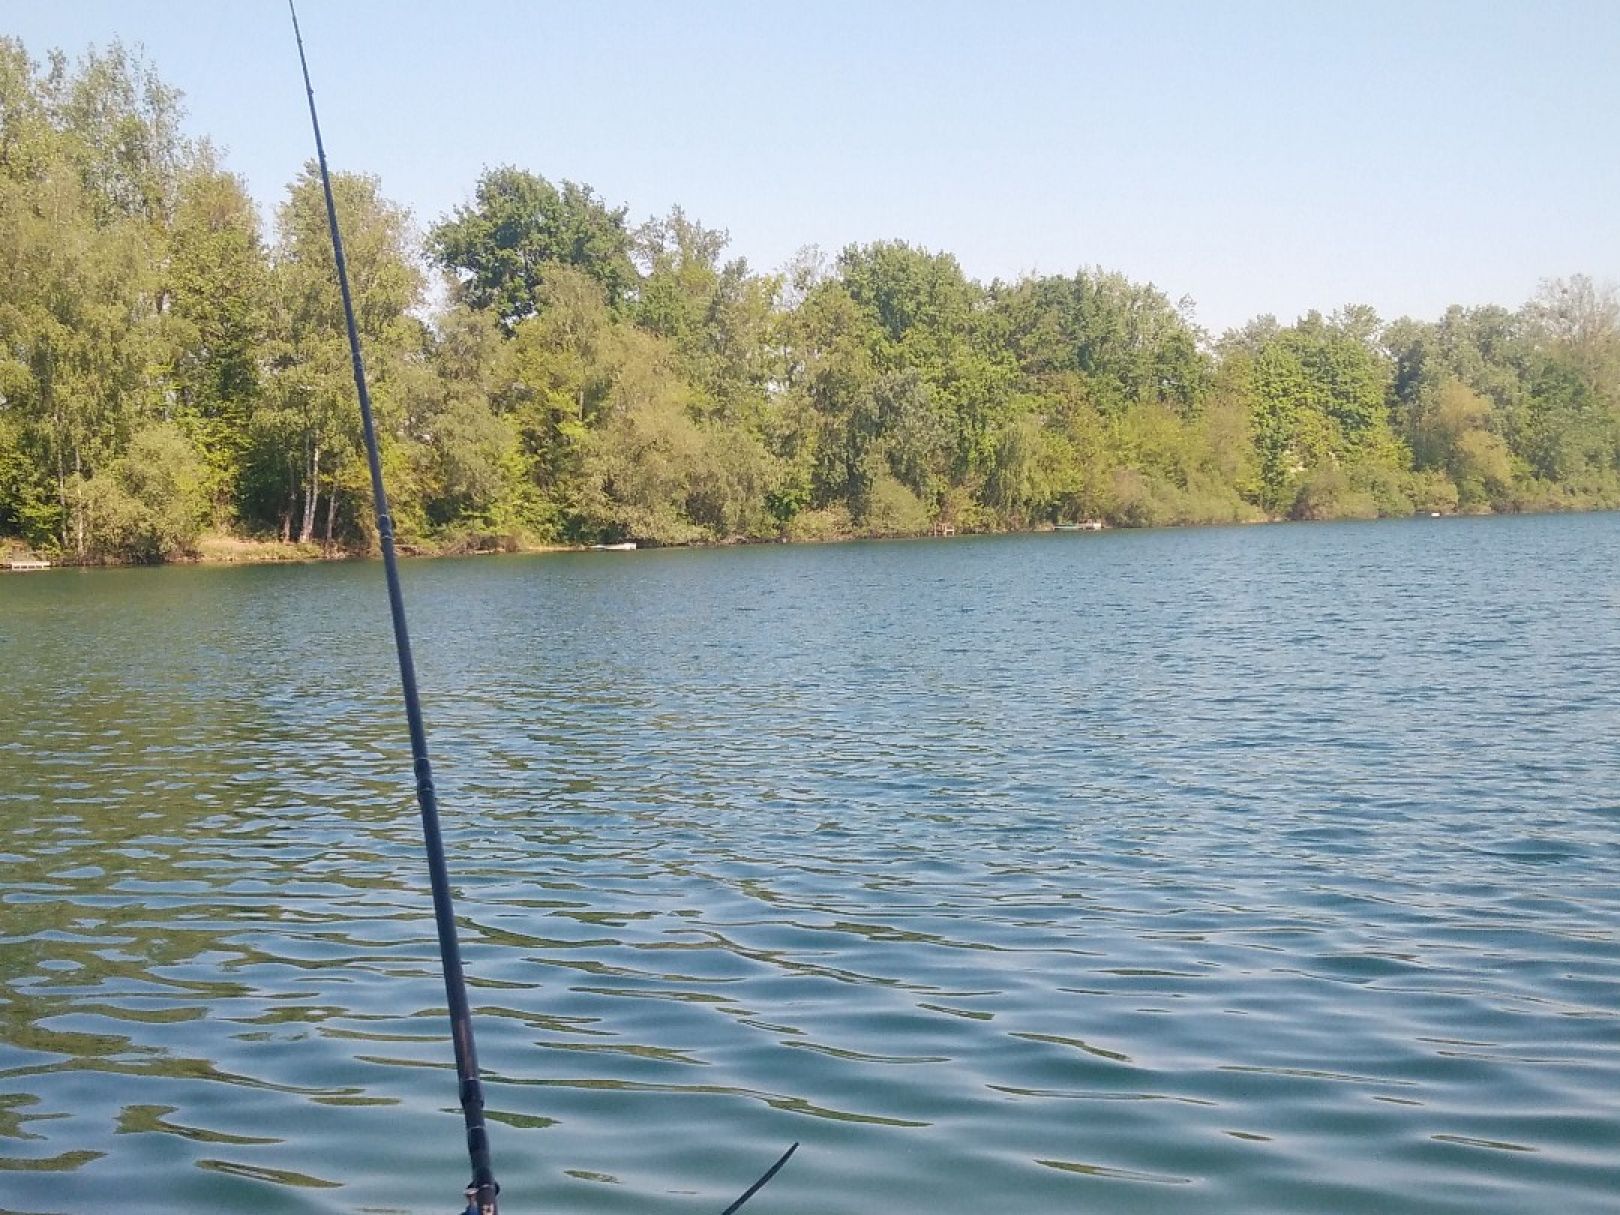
220,548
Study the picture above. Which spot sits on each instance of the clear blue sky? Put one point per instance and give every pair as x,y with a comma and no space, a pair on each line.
1257,155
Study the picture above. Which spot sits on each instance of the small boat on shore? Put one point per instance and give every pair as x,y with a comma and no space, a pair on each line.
629,546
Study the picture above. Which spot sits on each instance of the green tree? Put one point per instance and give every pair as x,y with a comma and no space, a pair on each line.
1319,393
218,288
306,436
1128,340
29,141
470,467
519,228
79,252
561,367
717,315
78,325
121,129
149,504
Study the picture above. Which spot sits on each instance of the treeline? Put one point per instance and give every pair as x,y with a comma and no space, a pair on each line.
168,368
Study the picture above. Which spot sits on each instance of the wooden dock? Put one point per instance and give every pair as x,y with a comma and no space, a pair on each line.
26,563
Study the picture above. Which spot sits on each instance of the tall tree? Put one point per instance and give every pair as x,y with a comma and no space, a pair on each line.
218,287
1129,341
121,125
717,314
517,229
308,435
470,466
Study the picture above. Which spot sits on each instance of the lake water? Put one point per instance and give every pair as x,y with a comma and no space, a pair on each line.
1243,870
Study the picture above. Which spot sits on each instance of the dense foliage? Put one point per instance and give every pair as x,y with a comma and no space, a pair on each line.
166,369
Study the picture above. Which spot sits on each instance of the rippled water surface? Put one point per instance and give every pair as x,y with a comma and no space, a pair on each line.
1250,870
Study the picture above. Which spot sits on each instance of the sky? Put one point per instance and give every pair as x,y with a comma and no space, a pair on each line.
1258,156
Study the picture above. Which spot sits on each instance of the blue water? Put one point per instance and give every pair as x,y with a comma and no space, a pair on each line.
1244,870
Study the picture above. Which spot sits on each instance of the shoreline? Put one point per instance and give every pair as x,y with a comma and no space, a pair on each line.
223,549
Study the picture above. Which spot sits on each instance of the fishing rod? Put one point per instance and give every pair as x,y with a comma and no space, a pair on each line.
482,1190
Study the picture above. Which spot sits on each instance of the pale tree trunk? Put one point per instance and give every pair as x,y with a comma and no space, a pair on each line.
58,443
78,515
292,502
61,494
312,495
331,510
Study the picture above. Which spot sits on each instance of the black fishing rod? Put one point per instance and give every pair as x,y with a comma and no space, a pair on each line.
483,1189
